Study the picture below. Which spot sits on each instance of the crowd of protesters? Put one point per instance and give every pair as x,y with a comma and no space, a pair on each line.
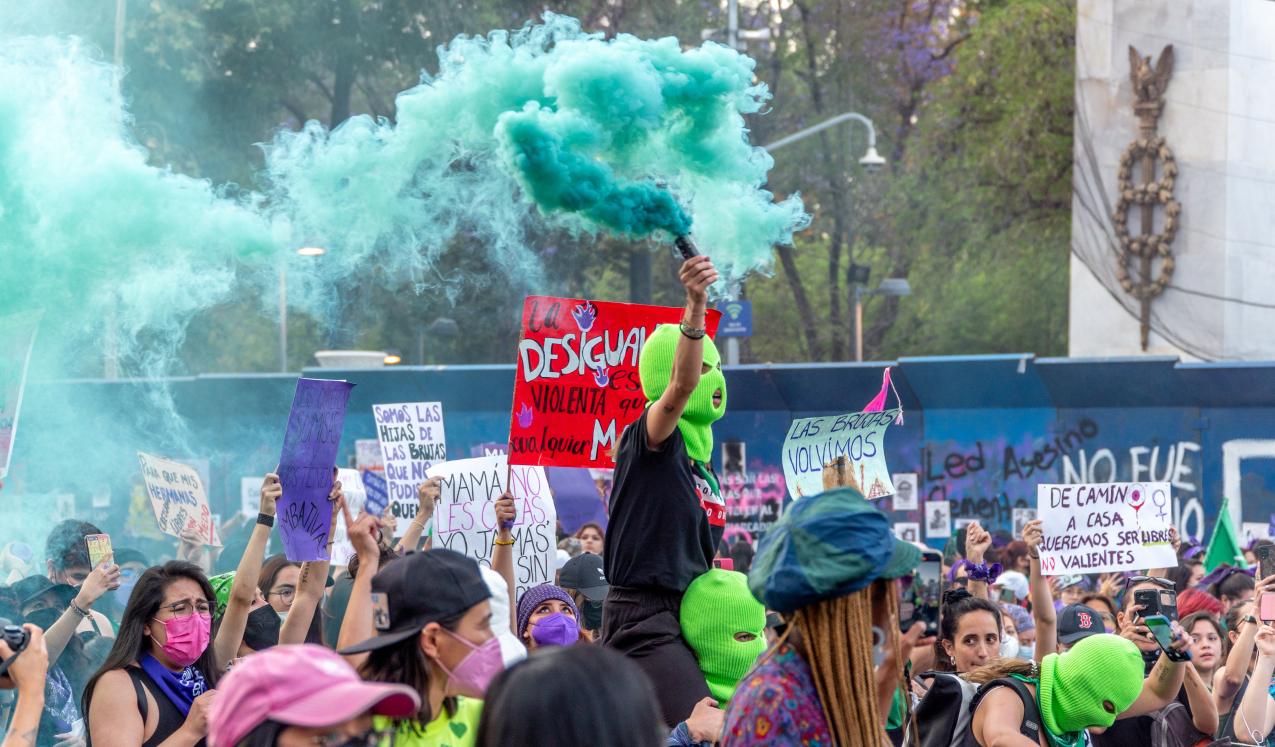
643,640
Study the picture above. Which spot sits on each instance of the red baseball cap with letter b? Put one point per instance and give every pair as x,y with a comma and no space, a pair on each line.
300,685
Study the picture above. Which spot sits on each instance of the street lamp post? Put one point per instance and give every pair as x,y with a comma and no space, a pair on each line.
305,251
889,287
872,161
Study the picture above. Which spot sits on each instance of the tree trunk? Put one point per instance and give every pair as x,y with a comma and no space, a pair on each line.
814,349
343,78
640,275
833,179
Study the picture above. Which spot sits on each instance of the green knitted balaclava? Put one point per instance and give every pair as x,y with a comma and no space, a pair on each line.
655,367
1074,685
716,607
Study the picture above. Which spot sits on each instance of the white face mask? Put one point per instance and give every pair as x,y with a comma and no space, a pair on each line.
1009,647
1027,651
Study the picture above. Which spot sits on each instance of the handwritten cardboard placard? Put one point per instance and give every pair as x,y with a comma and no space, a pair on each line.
178,498
356,498
17,337
1105,528
306,464
412,441
577,381
813,442
465,519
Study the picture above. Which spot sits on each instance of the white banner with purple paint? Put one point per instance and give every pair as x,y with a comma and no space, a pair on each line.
1106,527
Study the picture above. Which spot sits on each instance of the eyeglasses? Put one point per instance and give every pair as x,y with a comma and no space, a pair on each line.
1163,583
185,608
287,593
369,738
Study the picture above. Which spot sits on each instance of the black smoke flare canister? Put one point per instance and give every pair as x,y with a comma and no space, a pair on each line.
686,245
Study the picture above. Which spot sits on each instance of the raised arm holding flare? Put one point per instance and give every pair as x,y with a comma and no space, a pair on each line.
667,514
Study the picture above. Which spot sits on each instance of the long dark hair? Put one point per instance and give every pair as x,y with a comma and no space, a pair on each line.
958,603
404,663
523,706
131,641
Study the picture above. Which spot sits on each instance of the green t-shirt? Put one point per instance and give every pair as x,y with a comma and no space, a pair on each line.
460,730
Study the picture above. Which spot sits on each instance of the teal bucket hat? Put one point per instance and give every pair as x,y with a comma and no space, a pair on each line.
825,546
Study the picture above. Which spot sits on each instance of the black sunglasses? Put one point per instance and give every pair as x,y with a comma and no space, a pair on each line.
1163,583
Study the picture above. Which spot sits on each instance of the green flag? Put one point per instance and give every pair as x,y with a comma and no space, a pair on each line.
1224,545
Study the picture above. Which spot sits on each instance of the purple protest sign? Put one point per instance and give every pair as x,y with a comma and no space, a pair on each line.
306,465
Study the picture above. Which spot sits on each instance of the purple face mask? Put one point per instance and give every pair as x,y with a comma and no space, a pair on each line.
476,671
558,629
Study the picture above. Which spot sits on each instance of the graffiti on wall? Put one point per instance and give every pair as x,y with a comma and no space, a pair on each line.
754,498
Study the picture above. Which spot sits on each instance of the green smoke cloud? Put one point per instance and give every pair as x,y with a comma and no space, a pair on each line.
631,135
546,124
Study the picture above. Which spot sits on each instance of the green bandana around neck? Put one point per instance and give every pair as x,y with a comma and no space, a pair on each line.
655,368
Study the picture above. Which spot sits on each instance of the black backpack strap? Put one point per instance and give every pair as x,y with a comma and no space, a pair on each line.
1031,714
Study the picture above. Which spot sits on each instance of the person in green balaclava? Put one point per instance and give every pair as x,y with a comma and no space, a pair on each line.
725,626
1087,688
666,514
707,403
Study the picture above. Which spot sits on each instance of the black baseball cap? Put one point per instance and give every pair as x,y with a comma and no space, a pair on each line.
422,588
584,573
1076,621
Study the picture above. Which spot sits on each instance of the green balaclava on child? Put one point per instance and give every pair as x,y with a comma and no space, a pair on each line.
655,367
1074,685
718,610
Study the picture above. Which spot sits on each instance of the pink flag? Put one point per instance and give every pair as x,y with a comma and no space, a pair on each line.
878,402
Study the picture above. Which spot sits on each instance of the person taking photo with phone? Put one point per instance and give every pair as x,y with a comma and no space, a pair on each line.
1164,675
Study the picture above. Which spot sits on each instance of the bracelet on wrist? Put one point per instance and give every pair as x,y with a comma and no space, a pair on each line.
80,610
499,541
265,520
692,333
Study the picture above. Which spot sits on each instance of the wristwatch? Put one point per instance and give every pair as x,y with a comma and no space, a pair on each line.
1251,619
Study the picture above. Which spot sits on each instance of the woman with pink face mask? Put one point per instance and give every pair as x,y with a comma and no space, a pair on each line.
424,621
156,685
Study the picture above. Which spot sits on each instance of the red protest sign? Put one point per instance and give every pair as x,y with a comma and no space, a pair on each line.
577,384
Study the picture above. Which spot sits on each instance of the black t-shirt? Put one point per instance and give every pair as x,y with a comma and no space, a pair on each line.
659,535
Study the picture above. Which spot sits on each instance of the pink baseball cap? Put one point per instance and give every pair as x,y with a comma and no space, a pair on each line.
299,685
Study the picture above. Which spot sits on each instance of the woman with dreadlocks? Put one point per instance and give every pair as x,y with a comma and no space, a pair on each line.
820,566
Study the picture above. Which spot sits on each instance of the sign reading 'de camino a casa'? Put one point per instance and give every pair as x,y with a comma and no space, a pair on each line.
1105,528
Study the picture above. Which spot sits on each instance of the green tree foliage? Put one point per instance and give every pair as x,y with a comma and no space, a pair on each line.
972,100
985,194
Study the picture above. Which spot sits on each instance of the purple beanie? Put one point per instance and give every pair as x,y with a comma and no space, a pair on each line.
1022,618
535,596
